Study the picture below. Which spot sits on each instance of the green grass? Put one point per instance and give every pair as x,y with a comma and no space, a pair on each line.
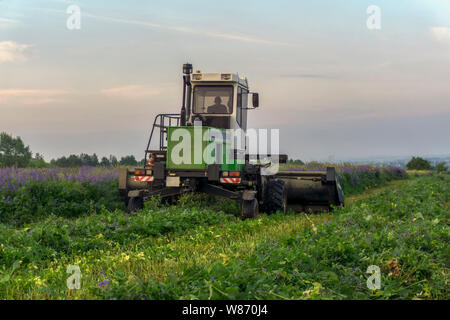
199,249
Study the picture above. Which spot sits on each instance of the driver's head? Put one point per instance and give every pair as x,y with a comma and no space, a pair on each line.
218,100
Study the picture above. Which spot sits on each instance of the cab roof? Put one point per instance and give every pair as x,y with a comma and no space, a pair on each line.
200,77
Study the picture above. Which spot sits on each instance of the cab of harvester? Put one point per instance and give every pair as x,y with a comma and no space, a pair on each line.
214,106
196,151
218,100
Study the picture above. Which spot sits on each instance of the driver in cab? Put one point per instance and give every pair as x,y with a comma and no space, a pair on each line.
218,107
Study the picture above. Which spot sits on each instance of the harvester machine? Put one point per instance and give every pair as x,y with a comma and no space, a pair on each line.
205,148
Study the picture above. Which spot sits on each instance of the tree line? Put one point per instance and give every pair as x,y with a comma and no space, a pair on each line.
14,153
93,160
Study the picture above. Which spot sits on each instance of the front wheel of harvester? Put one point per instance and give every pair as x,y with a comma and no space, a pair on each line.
276,196
135,204
250,209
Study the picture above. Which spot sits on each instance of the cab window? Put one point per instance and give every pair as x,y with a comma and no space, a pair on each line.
213,99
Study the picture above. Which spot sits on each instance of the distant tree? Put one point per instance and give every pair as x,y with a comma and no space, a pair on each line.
70,161
38,156
73,161
94,160
128,161
89,160
105,162
59,162
113,160
441,167
418,163
296,161
85,159
38,162
13,152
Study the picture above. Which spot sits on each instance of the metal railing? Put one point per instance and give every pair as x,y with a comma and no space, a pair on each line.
162,122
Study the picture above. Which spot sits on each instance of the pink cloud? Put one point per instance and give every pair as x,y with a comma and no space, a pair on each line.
11,51
30,96
132,91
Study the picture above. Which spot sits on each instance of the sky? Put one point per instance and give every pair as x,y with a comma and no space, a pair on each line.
335,88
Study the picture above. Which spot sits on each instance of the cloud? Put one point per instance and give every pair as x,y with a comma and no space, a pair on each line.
213,34
30,96
132,91
8,21
11,51
181,29
441,34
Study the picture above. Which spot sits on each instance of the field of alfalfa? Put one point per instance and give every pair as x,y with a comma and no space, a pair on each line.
200,249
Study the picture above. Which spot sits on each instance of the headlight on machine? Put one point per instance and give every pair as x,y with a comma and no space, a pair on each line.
139,172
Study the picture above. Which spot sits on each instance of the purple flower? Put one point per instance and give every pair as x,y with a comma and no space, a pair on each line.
13,178
104,283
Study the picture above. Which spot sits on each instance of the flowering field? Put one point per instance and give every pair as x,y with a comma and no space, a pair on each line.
200,249
13,178
29,194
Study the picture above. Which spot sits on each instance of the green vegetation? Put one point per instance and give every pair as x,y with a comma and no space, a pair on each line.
28,195
13,151
441,167
418,163
84,159
199,249
36,200
358,179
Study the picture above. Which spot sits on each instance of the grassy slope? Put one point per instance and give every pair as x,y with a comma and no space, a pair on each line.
173,262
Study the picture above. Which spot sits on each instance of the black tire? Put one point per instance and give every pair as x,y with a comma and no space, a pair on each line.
276,197
250,209
135,204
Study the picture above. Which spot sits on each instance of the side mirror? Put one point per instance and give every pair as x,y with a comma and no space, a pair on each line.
255,100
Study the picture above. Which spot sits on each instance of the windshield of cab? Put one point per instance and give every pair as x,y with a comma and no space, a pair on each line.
213,99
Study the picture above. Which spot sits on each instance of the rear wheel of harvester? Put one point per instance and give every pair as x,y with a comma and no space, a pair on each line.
276,196
250,209
135,204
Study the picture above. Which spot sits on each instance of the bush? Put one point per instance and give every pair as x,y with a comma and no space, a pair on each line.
418,163
37,199
441,167
357,179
